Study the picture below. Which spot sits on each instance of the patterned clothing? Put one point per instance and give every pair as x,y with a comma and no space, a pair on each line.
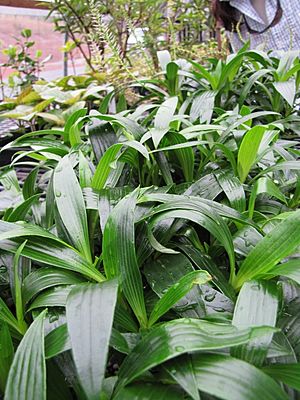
283,36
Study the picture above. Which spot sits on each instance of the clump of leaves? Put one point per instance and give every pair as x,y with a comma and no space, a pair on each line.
153,253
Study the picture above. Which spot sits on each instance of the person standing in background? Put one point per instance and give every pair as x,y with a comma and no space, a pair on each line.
268,24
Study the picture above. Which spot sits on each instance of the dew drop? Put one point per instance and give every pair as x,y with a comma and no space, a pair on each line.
57,194
53,318
219,309
179,348
3,269
210,297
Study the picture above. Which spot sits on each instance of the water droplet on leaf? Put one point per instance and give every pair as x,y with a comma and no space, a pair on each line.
219,309
210,297
3,269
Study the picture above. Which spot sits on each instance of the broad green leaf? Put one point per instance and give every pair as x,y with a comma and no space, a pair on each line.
206,187
164,273
248,150
250,82
57,387
288,374
107,200
195,202
264,185
102,137
119,255
10,181
125,319
176,292
45,248
203,261
12,231
71,207
172,77
276,245
206,74
105,164
185,155
45,278
202,107
179,337
27,375
257,305
149,391
53,297
246,239
20,212
244,120
57,341
287,90
76,115
289,269
205,218
230,379
181,369
18,290
165,113
6,354
157,246
75,133
29,185
280,166
162,119
7,316
90,313
232,189
85,174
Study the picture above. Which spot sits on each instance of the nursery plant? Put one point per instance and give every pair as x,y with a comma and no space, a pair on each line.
49,104
154,253
25,63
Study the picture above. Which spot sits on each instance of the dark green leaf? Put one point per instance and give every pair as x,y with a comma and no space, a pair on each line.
149,391
27,376
119,254
176,292
6,354
90,313
181,369
179,337
289,374
257,305
275,246
45,278
231,379
71,207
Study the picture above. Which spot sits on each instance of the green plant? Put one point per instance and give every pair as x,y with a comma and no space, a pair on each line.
153,253
26,67
47,104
